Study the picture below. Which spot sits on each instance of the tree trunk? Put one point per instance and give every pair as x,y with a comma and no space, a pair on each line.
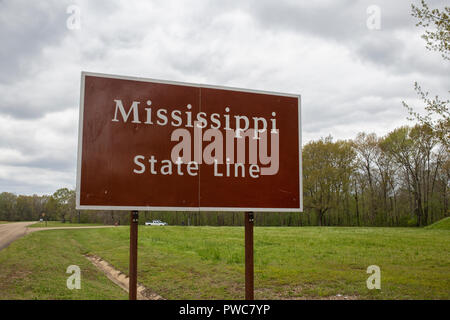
319,217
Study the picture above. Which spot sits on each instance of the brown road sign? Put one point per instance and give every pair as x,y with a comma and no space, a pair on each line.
160,145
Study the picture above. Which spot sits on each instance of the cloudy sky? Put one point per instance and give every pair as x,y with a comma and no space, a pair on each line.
351,74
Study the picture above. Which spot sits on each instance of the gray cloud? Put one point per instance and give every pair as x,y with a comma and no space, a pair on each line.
26,28
351,78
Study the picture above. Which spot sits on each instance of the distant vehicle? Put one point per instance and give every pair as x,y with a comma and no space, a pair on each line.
156,223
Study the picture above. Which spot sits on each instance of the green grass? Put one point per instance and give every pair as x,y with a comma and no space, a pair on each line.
443,224
208,262
58,224
34,267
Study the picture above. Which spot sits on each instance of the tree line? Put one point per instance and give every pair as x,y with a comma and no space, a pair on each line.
400,179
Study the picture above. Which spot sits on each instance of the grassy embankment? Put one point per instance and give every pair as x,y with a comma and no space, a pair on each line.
208,263
443,224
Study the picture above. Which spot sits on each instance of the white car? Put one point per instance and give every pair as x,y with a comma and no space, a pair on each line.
156,223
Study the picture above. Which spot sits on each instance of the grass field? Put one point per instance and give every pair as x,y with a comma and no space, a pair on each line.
208,263
57,224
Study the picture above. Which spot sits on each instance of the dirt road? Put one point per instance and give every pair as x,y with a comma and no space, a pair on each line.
13,231
65,228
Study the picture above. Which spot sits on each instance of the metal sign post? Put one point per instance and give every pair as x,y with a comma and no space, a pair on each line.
249,274
43,217
134,219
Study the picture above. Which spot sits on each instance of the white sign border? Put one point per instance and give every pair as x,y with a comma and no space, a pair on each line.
151,208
